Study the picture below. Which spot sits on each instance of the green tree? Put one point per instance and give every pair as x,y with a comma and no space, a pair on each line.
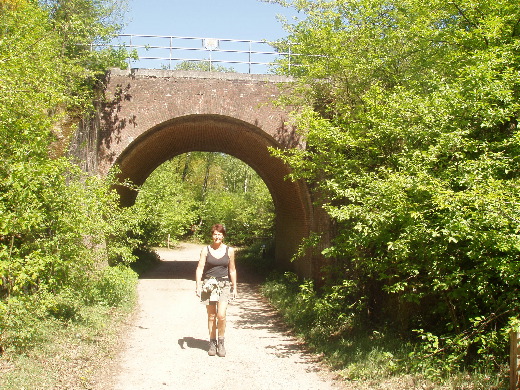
85,28
198,189
411,122
165,206
59,227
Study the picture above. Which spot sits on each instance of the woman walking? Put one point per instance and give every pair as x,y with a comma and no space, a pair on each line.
216,283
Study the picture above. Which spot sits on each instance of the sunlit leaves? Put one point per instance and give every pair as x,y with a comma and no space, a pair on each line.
412,143
59,226
191,192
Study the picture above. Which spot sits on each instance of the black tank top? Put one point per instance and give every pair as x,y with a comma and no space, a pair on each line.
217,268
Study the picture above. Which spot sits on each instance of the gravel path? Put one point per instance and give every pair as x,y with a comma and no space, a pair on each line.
165,347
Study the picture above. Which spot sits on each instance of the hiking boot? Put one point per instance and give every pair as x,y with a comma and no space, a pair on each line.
221,349
212,347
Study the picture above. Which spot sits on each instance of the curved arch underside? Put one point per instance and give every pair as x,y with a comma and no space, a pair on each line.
218,133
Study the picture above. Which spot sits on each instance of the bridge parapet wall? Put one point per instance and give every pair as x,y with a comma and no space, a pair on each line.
140,99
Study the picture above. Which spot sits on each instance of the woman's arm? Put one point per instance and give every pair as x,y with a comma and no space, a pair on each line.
200,270
233,273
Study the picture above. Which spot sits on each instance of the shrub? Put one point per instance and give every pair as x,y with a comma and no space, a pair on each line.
114,286
20,318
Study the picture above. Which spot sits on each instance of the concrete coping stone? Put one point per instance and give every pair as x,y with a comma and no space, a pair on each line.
186,74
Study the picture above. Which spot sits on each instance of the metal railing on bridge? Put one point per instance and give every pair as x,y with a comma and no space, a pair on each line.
174,52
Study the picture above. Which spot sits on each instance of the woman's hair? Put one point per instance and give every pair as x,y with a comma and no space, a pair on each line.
218,227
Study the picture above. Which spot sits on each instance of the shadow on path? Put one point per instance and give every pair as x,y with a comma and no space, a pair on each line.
172,270
190,342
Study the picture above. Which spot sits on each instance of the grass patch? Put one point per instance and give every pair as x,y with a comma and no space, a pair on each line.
72,355
366,359
64,340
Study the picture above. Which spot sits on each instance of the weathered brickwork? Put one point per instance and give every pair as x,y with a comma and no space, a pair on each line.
150,116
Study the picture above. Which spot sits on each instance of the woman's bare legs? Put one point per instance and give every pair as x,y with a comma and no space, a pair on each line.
221,319
221,324
217,321
212,328
212,321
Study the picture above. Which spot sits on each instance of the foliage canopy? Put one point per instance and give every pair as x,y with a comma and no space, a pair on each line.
185,196
59,227
411,121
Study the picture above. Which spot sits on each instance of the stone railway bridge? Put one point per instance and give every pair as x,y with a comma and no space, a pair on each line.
149,116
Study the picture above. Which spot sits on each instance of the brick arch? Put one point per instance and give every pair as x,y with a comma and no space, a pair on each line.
145,117
245,141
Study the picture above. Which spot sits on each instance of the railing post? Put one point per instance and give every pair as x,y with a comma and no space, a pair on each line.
514,376
129,59
171,52
250,48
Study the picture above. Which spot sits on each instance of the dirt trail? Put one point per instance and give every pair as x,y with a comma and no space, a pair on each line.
165,347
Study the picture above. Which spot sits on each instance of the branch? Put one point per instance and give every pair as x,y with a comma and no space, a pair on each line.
468,333
461,12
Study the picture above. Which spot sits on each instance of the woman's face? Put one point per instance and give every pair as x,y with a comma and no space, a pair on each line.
217,237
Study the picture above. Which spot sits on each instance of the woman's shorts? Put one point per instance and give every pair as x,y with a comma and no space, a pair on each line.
225,293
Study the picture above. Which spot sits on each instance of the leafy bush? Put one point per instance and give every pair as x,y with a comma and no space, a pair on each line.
59,226
185,196
115,286
65,306
361,354
412,145
20,318
258,257
248,218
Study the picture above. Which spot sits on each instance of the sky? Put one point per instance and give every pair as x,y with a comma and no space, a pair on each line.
218,19
235,19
